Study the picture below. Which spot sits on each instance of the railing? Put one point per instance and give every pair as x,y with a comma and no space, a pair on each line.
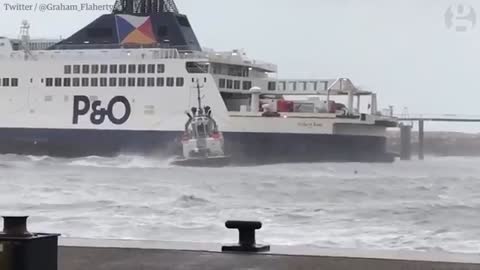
161,53
439,117
340,86
183,52
236,59
302,86
156,50
90,46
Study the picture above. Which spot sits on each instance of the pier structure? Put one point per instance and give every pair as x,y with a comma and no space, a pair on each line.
408,122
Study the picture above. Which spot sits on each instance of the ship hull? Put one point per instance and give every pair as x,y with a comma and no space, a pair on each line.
245,148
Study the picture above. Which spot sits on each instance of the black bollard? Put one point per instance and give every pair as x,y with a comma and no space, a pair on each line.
246,239
15,226
22,250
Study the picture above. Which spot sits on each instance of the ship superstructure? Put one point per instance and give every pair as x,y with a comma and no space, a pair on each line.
122,83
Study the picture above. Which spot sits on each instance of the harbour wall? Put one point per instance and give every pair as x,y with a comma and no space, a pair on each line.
81,254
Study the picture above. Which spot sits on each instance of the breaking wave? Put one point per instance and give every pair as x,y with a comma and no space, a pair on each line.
121,162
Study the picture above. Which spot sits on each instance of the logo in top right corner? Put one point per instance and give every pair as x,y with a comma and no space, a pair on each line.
461,18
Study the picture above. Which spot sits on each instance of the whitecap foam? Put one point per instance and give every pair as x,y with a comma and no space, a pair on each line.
121,162
404,205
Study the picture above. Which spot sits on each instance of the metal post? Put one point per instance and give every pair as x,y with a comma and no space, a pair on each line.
374,104
421,136
255,99
405,145
358,103
350,101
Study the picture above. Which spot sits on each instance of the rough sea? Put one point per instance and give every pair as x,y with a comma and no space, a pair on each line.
430,205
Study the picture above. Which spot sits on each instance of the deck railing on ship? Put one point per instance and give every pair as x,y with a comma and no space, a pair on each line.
302,86
155,51
339,86
99,46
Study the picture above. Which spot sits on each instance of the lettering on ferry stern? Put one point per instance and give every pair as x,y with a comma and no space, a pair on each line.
82,106
310,124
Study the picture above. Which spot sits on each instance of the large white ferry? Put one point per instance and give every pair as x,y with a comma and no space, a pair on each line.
121,85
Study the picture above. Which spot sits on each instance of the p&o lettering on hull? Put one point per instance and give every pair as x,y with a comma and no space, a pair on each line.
82,106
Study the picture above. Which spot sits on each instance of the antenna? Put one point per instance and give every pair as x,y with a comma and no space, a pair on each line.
199,98
25,39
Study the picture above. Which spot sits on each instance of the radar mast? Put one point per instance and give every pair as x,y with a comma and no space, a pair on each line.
25,39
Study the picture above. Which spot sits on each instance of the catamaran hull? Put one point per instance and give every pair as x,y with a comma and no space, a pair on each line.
250,148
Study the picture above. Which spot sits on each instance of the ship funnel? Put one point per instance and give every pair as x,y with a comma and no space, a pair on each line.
136,24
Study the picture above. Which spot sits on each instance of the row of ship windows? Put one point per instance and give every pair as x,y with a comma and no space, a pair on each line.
114,69
114,82
234,84
9,82
245,85
237,71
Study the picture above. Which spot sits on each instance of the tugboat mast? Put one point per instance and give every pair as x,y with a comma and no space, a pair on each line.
198,95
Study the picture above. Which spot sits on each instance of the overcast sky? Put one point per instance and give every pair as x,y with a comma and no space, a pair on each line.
402,49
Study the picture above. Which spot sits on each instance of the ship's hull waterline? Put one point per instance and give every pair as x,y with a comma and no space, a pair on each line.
245,148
